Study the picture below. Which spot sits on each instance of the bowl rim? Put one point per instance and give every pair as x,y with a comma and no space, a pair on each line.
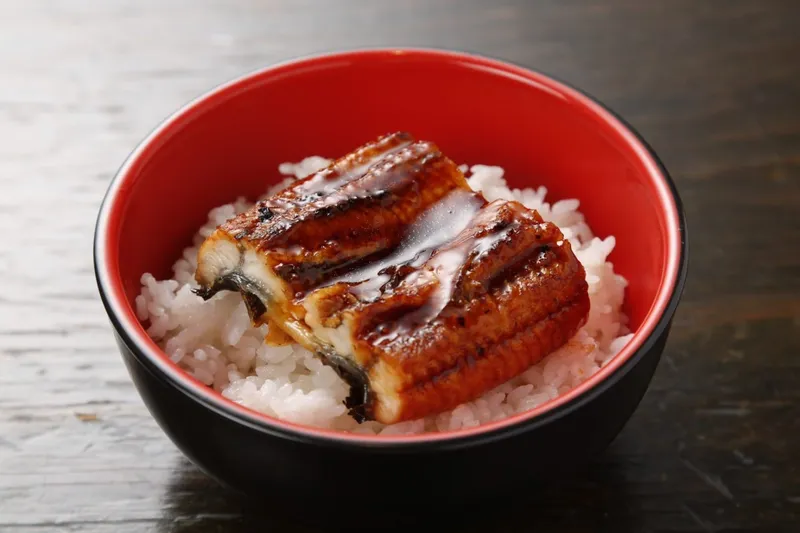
655,324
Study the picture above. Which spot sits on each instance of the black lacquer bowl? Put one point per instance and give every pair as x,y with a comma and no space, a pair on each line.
229,142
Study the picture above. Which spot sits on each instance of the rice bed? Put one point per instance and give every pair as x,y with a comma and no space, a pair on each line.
216,343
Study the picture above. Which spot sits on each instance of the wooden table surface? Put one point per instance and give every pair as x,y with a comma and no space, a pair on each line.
714,85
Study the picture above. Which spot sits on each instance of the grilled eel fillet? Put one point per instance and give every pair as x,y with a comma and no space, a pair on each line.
420,293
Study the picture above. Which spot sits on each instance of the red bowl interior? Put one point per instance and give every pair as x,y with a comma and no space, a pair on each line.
230,142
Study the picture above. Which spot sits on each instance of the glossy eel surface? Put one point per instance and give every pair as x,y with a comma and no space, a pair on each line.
420,293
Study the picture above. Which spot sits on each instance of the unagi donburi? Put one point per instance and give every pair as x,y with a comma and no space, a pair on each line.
391,291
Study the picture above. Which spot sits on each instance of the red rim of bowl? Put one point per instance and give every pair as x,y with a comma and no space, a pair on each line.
148,352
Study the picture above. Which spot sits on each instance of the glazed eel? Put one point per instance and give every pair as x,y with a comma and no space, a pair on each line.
416,290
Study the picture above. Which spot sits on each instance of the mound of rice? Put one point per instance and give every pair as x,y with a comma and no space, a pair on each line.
216,343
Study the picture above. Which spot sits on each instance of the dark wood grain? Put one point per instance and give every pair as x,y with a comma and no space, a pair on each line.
714,85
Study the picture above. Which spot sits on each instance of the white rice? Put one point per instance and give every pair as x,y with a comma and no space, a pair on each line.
215,342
